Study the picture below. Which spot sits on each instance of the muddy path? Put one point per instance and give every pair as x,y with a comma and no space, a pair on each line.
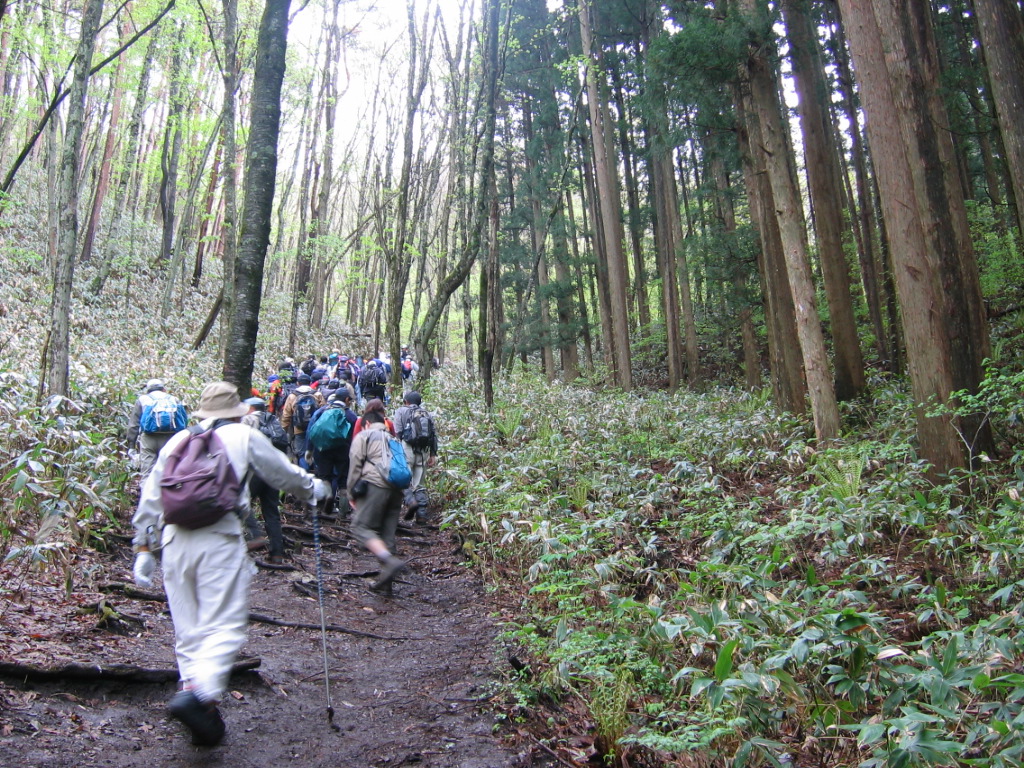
419,697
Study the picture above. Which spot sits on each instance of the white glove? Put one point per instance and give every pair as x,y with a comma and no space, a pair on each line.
321,490
145,565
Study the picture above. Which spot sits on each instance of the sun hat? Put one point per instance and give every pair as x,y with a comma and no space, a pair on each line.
256,402
154,384
220,401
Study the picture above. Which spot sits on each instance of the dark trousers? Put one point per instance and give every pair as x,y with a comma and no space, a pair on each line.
270,506
332,466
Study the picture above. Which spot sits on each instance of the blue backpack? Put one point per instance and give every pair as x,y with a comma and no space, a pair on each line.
162,413
395,468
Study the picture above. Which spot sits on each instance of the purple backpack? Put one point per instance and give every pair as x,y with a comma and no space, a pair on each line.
199,485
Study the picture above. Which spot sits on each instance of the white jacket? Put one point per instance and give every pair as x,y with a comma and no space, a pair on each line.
246,449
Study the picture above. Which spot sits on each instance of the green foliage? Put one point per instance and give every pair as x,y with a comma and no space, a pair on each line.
700,578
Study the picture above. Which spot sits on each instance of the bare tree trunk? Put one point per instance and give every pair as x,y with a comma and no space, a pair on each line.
788,384
607,185
57,347
169,159
946,332
823,177
103,182
229,168
260,178
789,211
1002,36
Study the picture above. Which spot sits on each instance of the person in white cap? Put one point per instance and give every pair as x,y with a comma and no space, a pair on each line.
207,570
156,417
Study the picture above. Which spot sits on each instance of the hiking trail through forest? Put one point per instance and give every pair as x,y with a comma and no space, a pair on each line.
419,697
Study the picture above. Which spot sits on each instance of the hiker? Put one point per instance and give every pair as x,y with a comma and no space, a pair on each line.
377,504
156,417
280,389
414,426
269,497
206,568
328,446
409,369
374,405
373,381
298,409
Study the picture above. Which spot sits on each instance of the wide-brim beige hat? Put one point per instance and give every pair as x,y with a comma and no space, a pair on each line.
220,400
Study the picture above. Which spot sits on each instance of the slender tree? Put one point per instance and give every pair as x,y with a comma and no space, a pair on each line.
260,179
57,351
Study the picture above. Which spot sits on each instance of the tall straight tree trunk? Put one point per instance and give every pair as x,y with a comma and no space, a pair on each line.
893,48
169,158
1002,37
602,305
57,351
824,181
260,178
229,168
727,214
608,198
789,212
588,344
871,266
633,201
788,382
103,182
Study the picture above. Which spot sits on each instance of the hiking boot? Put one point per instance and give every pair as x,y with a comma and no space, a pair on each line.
389,570
203,720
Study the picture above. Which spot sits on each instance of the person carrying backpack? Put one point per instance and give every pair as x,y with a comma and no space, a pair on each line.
373,381
296,414
269,497
206,569
329,439
414,426
377,502
155,418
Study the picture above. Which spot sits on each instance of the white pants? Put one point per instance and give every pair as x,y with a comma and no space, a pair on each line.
206,576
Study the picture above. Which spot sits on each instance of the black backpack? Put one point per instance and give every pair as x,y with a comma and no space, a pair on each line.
374,376
281,397
270,426
418,430
305,407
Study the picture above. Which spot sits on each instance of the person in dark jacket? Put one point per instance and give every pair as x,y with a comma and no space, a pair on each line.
331,465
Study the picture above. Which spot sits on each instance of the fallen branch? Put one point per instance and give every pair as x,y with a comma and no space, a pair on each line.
258,617
130,590
128,673
276,566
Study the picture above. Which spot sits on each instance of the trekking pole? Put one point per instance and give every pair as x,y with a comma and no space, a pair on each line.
323,620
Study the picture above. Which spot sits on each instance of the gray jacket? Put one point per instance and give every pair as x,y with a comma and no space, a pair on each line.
247,449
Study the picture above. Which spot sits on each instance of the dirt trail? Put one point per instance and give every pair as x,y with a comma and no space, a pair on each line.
418,699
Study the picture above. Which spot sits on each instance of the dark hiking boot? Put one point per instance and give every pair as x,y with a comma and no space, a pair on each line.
389,570
203,720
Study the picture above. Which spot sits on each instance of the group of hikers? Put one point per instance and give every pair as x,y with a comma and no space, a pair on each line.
322,437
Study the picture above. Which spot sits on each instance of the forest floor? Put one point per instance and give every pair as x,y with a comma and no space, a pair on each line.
419,697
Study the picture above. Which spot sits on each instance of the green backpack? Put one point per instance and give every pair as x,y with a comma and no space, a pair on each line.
331,431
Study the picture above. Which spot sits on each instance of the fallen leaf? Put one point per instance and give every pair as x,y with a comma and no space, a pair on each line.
237,695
